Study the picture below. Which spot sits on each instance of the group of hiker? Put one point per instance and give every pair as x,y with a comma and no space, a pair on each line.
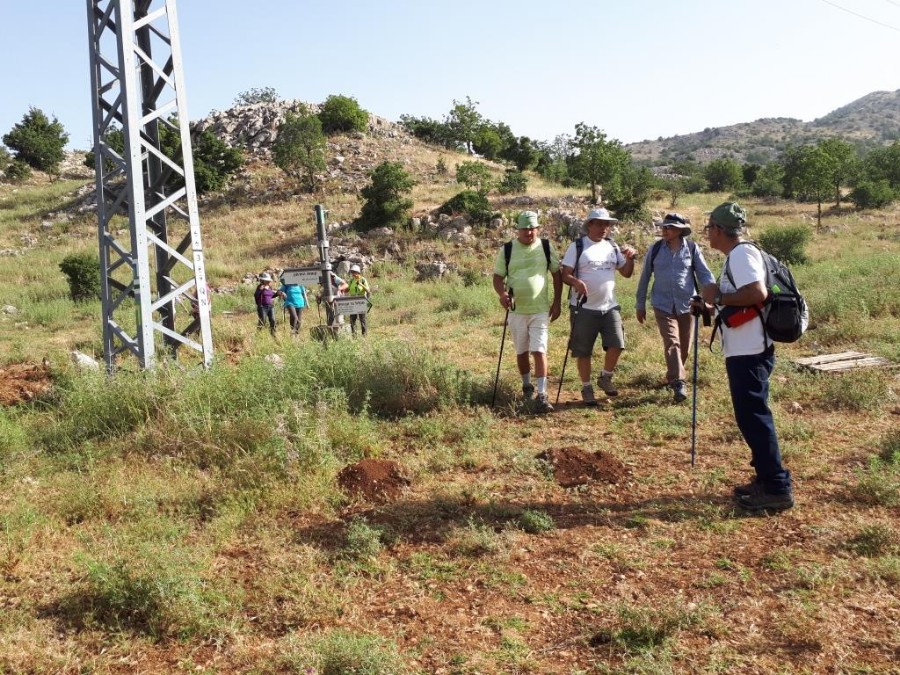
295,299
683,287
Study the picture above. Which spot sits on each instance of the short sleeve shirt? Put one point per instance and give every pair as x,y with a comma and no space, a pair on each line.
746,266
597,269
527,275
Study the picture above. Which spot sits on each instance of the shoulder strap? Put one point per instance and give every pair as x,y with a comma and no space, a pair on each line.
654,251
546,244
579,249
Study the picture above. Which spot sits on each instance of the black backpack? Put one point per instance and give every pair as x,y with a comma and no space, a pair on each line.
507,252
784,313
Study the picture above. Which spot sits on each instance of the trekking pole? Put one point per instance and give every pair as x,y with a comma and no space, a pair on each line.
512,304
696,312
562,375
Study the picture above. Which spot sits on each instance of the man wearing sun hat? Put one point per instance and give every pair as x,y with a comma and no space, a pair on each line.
679,272
749,359
520,281
589,267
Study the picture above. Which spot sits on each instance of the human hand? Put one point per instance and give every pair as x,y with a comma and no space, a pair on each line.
640,315
555,311
505,300
629,252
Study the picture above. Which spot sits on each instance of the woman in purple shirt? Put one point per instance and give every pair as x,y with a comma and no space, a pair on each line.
265,298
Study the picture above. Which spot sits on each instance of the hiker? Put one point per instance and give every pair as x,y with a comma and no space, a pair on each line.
358,286
295,301
749,358
520,281
679,272
265,297
589,267
338,288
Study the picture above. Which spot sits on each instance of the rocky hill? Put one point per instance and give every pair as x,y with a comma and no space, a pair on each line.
871,120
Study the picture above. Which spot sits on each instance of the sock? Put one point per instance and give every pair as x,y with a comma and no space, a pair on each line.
586,384
606,372
526,379
541,385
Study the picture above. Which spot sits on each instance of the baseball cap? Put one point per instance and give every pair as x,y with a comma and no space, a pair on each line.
730,216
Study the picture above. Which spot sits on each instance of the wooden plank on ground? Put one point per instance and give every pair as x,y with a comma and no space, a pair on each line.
831,363
829,358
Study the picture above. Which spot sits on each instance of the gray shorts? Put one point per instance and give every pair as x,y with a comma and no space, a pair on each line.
589,323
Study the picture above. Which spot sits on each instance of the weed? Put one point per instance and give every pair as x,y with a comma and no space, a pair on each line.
475,539
855,392
645,629
878,484
873,540
535,522
886,568
362,540
890,448
340,652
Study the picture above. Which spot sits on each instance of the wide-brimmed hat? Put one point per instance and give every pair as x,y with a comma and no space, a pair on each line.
600,214
527,220
679,221
265,276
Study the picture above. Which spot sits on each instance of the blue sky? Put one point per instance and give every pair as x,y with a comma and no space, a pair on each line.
636,68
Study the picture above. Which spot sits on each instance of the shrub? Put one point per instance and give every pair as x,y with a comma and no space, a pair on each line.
214,162
82,271
17,172
257,95
441,167
342,113
788,244
37,141
363,541
872,194
535,522
299,148
468,202
385,204
5,158
514,183
890,448
475,175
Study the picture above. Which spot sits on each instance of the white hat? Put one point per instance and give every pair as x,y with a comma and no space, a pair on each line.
600,214
355,268
265,276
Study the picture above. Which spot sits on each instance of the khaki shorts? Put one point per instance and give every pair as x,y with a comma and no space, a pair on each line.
530,331
589,323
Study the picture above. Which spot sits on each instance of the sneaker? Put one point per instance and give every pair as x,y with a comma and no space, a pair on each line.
528,391
605,383
587,395
680,391
747,489
542,404
765,501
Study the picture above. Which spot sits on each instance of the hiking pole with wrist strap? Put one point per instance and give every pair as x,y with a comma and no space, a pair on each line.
512,305
562,375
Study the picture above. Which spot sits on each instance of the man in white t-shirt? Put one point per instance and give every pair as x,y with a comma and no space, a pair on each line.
749,358
594,310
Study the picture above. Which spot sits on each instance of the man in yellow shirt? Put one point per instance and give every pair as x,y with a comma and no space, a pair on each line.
358,286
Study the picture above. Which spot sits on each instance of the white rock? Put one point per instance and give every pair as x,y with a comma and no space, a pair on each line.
9,309
84,361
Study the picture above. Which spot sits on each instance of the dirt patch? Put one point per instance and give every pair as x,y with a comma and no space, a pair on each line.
23,382
373,479
573,466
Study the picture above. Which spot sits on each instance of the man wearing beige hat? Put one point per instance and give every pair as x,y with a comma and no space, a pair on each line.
520,281
589,267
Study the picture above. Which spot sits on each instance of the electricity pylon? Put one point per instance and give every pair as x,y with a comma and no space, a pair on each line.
145,172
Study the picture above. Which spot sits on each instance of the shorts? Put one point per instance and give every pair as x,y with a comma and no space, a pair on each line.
529,331
589,323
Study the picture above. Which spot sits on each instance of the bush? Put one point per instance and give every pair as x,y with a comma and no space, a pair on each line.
385,204
5,158
82,271
468,202
342,113
475,175
441,167
257,95
17,172
514,183
299,148
37,141
788,244
214,162
872,194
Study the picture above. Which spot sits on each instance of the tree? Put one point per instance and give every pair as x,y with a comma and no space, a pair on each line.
553,159
629,191
385,204
463,122
872,194
299,148
214,161
884,164
475,175
38,142
598,160
428,130
257,95
340,114
768,181
523,153
723,175
842,162
808,172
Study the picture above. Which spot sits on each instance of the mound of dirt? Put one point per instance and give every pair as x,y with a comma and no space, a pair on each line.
23,382
573,466
373,479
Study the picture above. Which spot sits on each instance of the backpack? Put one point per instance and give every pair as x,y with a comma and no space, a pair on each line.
507,252
692,247
784,313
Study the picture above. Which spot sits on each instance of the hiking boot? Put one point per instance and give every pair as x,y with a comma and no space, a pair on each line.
587,395
528,391
680,390
766,501
747,489
605,383
542,404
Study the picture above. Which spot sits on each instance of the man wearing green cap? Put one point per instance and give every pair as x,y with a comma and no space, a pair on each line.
520,281
749,358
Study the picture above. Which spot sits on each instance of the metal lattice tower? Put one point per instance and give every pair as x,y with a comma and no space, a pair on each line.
155,281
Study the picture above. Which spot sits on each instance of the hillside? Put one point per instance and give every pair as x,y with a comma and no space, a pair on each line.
871,120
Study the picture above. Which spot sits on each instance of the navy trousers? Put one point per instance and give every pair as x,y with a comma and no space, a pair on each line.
748,380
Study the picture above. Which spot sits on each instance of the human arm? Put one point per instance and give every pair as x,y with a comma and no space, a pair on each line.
502,293
748,295
569,278
640,308
555,306
627,269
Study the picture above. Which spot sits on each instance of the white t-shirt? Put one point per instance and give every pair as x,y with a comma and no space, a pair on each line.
746,266
597,269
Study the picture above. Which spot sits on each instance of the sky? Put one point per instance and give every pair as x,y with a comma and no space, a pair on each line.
637,69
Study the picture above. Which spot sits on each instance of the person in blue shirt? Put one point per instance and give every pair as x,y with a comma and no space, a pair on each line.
677,265
295,301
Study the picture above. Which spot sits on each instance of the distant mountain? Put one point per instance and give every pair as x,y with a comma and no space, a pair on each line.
871,120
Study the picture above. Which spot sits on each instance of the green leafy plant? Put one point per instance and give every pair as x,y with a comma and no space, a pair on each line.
82,271
514,183
256,95
38,142
341,114
362,540
788,244
299,148
17,172
535,522
468,202
872,194
476,176
385,202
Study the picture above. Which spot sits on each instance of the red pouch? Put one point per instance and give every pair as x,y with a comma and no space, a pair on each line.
733,317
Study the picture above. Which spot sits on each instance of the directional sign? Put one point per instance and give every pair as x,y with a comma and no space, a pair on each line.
351,304
303,276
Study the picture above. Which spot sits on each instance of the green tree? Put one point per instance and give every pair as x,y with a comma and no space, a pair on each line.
38,142
554,157
808,172
768,181
872,194
464,121
340,114
299,148
82,271
598,160
523,153
629,191
257,95
884,164
843,164
723,175
385,204
428,130
214,161
488,142
475,175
